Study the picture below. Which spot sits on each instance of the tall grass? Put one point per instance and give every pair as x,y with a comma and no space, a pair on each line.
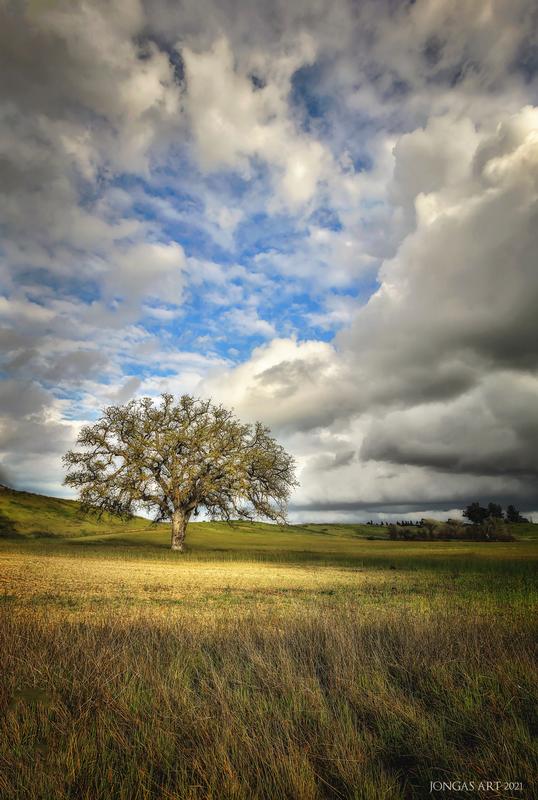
363,670
318,703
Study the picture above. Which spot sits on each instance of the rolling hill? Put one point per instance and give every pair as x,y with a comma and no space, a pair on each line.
28,515
25,516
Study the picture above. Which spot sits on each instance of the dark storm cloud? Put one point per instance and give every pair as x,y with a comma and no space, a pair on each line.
19,399
439,369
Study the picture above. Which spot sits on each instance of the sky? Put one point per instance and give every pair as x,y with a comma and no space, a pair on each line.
323,214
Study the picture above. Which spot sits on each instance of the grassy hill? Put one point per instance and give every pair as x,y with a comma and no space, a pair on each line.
28,515
35,516
49,523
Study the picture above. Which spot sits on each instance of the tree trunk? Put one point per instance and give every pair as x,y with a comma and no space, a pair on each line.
179,529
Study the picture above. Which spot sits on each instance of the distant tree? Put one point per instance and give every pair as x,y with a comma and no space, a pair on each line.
513,515
475,513
493,529
175,458
393,532
429,525
495,511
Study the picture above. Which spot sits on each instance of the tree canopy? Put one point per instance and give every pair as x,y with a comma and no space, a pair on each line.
477,514
513,515
174,458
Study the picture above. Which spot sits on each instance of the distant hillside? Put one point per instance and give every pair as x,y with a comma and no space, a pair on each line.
23,514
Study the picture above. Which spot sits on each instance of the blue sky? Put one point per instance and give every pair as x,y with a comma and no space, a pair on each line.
321,214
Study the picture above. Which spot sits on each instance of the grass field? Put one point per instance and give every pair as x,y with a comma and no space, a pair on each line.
308,662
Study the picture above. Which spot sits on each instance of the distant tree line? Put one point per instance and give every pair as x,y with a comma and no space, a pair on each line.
478,514
474,512
492,529
403,523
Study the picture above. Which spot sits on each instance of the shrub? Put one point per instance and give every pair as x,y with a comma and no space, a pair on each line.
394,533
494,529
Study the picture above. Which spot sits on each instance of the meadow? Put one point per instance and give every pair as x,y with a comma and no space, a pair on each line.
304,662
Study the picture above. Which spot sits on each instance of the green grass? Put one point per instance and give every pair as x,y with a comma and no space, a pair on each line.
27,515
24,515
305,662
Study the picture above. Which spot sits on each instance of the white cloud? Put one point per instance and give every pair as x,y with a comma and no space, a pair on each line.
233,121
248,322
338,312
286,383
151,271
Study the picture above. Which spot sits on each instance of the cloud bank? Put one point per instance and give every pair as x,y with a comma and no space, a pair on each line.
324,215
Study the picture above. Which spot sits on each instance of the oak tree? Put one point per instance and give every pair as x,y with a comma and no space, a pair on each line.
174,458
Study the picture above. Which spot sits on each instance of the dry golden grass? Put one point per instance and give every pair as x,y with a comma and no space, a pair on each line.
70,575
156,677
88,585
